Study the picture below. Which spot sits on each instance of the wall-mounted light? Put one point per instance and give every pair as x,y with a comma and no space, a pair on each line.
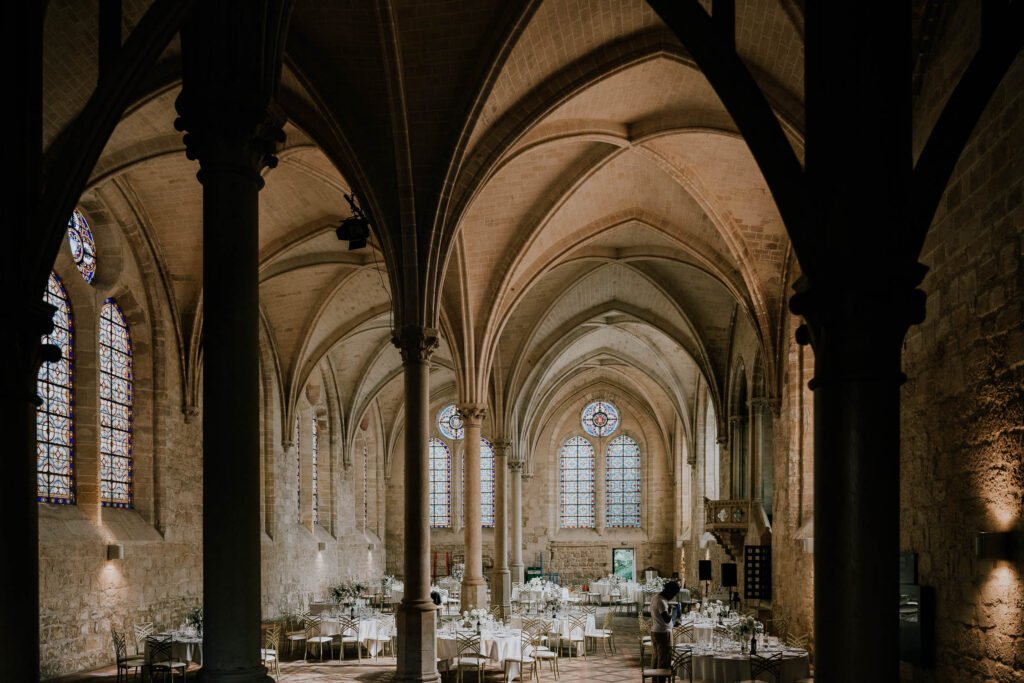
115,551
369,547
321,546
995,545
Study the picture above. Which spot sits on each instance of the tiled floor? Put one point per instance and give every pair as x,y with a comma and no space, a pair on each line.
595,668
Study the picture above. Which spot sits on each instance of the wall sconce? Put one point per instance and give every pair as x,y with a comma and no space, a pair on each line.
321,546
115,551
369,547
995,545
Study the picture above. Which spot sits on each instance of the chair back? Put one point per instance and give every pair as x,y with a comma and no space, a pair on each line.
497,611
682,634
159,650
142,631
517,607
779,626
577,622
644,626
797,640
588,609
766,664
348,626
272,638
467,644
120,649
609,618
311,625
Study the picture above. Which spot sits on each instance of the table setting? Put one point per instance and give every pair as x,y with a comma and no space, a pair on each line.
723,660
497,641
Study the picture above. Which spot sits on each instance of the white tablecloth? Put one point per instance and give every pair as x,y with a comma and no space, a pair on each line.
527,594
371,631
182,648
629,590
496,646
728,666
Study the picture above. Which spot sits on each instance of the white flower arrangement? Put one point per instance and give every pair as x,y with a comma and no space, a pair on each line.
746,627
387,582
537,583
553,601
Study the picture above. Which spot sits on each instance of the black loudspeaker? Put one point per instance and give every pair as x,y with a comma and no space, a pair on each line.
729,574
704,570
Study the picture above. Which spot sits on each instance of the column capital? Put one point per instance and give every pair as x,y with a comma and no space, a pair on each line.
722,440
503,449
472,413
415,342
516,461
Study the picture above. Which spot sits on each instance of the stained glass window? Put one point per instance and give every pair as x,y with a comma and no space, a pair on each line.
366,489
55,435
82,246
622,483
577,480
115,407
486,485
449,422
314,455
440,484
298,471
600,419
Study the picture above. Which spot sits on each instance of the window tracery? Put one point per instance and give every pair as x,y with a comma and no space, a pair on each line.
576,464
116,385
622,483
55,435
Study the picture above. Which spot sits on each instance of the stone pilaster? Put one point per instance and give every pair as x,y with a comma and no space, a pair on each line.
417,614
501,576
474,588
515,467
231,53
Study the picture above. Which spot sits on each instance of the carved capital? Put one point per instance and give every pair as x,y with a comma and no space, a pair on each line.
473,413
416,343
503,449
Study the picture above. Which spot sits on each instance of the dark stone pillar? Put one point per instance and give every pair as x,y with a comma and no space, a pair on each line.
224,107
417,650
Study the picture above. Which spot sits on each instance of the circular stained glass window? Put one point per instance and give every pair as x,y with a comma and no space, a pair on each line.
449,422
83,248
600,419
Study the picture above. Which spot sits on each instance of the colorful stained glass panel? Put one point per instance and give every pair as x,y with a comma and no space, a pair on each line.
576,461
622,483
440,483
82,245
486,485
600,418
449,423
55,437
115,407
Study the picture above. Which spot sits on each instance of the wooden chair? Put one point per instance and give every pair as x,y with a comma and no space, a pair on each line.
682,660
162,661
605,634
468,655
523,659
644,636
313,630
348,634
577,634
765,664
270,653
125,662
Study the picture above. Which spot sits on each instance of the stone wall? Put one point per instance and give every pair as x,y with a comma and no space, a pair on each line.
963,404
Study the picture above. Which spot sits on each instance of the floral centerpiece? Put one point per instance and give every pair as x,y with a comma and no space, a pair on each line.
194,619
458,571
553,601
387,583
475,614
615,579
654,584
347,590
537,583
745,629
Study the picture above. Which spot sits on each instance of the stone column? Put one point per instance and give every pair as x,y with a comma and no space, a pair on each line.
500,577
474,588
417,614
724,482
759,414
515,466
229,52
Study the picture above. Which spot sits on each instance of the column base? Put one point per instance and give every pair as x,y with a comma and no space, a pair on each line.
501,589
474,593
417,653
254,675
516,570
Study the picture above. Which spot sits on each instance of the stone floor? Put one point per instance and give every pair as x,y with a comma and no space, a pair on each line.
595,668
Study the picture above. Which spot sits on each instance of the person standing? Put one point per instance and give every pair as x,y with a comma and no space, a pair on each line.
661,627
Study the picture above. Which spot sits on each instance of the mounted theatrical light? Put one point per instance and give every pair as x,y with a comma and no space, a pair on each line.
995,545
356,228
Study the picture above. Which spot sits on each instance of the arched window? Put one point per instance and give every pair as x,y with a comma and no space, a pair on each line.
622,483
314,455
440,484
55,434
298,470
711,456
449,423
115,407
577,480
600,419
486,485
82,246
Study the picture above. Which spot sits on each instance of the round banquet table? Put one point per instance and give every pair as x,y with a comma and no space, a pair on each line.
371,631
727,665
558,626
629,591
497,645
